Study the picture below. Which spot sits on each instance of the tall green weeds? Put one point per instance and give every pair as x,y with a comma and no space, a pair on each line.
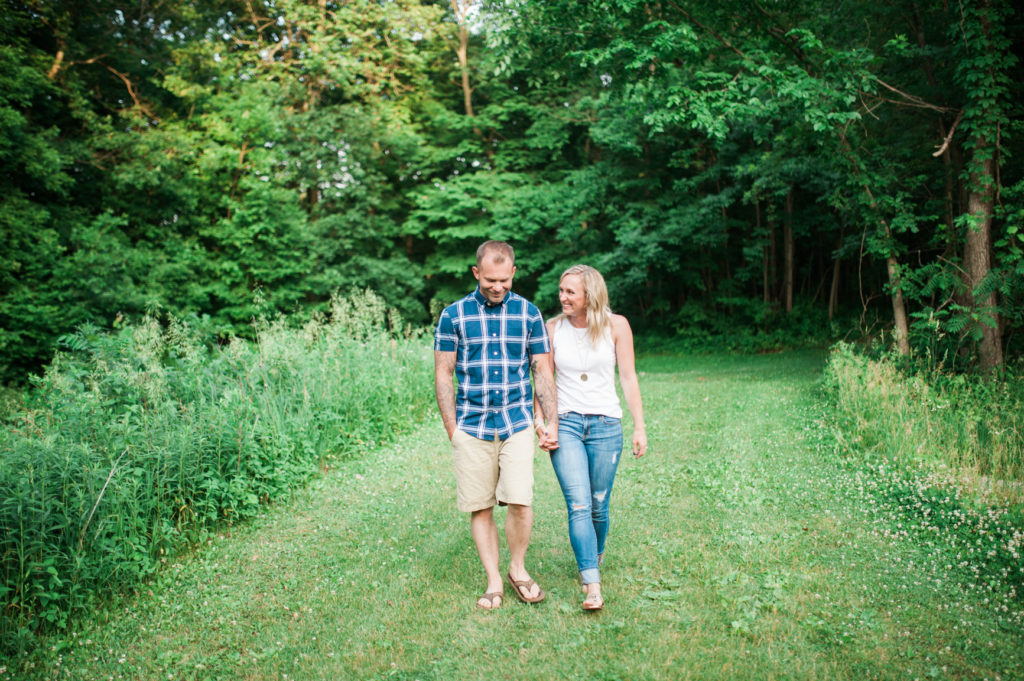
968,424
135,444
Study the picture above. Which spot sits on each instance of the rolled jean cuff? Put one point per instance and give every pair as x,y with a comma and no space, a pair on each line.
590,575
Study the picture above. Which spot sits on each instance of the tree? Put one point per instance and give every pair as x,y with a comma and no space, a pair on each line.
983,73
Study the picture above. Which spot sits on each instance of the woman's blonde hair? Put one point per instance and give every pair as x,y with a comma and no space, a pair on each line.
595,293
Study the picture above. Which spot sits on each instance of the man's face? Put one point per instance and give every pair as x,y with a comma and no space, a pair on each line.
495,278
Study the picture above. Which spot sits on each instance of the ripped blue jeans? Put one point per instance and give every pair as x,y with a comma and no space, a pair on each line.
589,448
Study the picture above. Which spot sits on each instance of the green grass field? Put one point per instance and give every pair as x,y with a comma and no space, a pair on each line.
741,548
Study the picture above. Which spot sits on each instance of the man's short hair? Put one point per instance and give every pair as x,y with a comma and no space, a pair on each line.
498,250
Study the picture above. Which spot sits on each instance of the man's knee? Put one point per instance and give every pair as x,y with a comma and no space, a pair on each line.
482,513
519,509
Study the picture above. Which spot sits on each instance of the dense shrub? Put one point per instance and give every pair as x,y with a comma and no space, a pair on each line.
136,443
742,325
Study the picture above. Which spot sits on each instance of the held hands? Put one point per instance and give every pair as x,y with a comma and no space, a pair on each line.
547,440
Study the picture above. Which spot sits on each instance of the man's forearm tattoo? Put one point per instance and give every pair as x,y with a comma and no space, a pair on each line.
444,388
445,394
544,386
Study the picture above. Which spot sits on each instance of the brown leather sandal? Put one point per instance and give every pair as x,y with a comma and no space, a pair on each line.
522,587
489,597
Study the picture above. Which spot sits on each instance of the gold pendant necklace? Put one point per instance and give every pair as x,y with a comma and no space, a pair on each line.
581,343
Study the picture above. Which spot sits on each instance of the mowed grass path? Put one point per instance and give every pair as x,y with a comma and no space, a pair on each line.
739,550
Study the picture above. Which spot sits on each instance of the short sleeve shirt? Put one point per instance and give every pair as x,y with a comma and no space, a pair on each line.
493,346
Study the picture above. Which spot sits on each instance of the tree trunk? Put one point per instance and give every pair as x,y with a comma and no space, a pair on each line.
461,9
57,60
978,253
984,60
463,53
773,259
833,294
901,326
787,248
764,256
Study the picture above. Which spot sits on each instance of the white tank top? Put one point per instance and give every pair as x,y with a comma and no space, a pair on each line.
584,373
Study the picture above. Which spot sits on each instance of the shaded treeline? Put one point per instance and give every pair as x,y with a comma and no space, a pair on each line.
733,167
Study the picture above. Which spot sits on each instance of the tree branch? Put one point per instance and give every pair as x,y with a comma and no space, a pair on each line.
715,34
57,61
913,99
131,92
949,136
779,34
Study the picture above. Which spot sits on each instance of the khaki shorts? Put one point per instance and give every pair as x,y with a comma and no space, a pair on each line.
493,471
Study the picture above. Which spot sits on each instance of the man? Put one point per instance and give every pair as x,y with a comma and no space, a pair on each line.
491,340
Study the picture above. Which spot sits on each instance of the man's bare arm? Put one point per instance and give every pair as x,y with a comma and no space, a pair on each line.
544,389
444,388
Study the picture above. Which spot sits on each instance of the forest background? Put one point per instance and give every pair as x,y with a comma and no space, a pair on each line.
745,174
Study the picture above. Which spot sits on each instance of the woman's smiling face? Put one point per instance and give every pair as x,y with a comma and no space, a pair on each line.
571,296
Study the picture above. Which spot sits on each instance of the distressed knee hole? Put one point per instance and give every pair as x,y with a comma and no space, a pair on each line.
599,496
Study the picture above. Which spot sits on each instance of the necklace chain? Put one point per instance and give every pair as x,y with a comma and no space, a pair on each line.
581,344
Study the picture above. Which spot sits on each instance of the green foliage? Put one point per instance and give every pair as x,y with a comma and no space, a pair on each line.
136,444
1009,258
35,162
259,158
771,102
186,155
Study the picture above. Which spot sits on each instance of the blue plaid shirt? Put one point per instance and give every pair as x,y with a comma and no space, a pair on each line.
493,345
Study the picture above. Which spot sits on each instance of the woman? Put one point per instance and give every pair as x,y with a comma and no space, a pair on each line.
589,341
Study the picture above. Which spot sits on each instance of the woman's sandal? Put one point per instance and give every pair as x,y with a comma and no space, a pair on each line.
490,596
593,602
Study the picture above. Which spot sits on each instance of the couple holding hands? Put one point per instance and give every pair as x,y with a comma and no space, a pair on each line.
491,341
